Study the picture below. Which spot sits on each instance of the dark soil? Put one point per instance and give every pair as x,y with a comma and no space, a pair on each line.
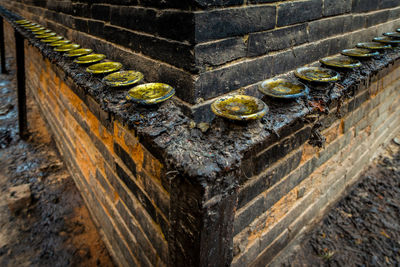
363,229
56,228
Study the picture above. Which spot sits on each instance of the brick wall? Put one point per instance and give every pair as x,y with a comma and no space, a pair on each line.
275,205
119,179
207,48
162,192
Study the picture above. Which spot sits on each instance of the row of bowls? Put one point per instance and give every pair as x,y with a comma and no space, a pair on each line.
142,93
244,107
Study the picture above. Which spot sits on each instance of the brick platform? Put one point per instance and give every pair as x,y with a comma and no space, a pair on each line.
162,192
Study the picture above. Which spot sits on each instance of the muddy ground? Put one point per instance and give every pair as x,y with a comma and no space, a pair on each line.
363,229
55,229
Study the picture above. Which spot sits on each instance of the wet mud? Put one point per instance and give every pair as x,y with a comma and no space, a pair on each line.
55,228
363,228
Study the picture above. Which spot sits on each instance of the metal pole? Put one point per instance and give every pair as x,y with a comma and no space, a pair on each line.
22,121
2,48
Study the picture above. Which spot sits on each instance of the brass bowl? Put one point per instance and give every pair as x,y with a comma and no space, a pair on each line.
52,39
387,40
60,43
78,52
41,32
239,107
92,58
392,34
29,25
66,48
38,29
282,88
316,74
46,35
123,78
150,93
104,67
22,22
340,61
373,46
359,52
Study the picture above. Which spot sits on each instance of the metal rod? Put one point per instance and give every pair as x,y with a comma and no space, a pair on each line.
21,92
2,48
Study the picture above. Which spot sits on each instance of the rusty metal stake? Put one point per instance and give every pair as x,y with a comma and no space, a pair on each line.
21,92
2,48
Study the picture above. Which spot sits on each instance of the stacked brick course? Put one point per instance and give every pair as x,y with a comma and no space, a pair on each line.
208,48
165,193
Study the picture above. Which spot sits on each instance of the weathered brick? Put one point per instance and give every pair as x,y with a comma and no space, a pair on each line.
143,199
259,184
288,12
263,42
364,5
321,29
100,12
274,153
233,22
336,7
220,52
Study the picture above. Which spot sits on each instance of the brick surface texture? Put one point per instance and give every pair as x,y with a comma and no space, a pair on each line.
122,187
208,48
275,205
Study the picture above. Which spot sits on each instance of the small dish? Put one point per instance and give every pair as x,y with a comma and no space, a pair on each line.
92,58
123,78
41,32
46,35
387,40
38,29
282,88
373,46
239,107
104,68
150,93
52,39
340,61
398,30
79,52
66,48
60,43
22,22
392,34
359,52
29,25
317,74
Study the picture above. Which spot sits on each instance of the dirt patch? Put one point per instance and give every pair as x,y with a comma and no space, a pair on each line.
56,228
363,229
